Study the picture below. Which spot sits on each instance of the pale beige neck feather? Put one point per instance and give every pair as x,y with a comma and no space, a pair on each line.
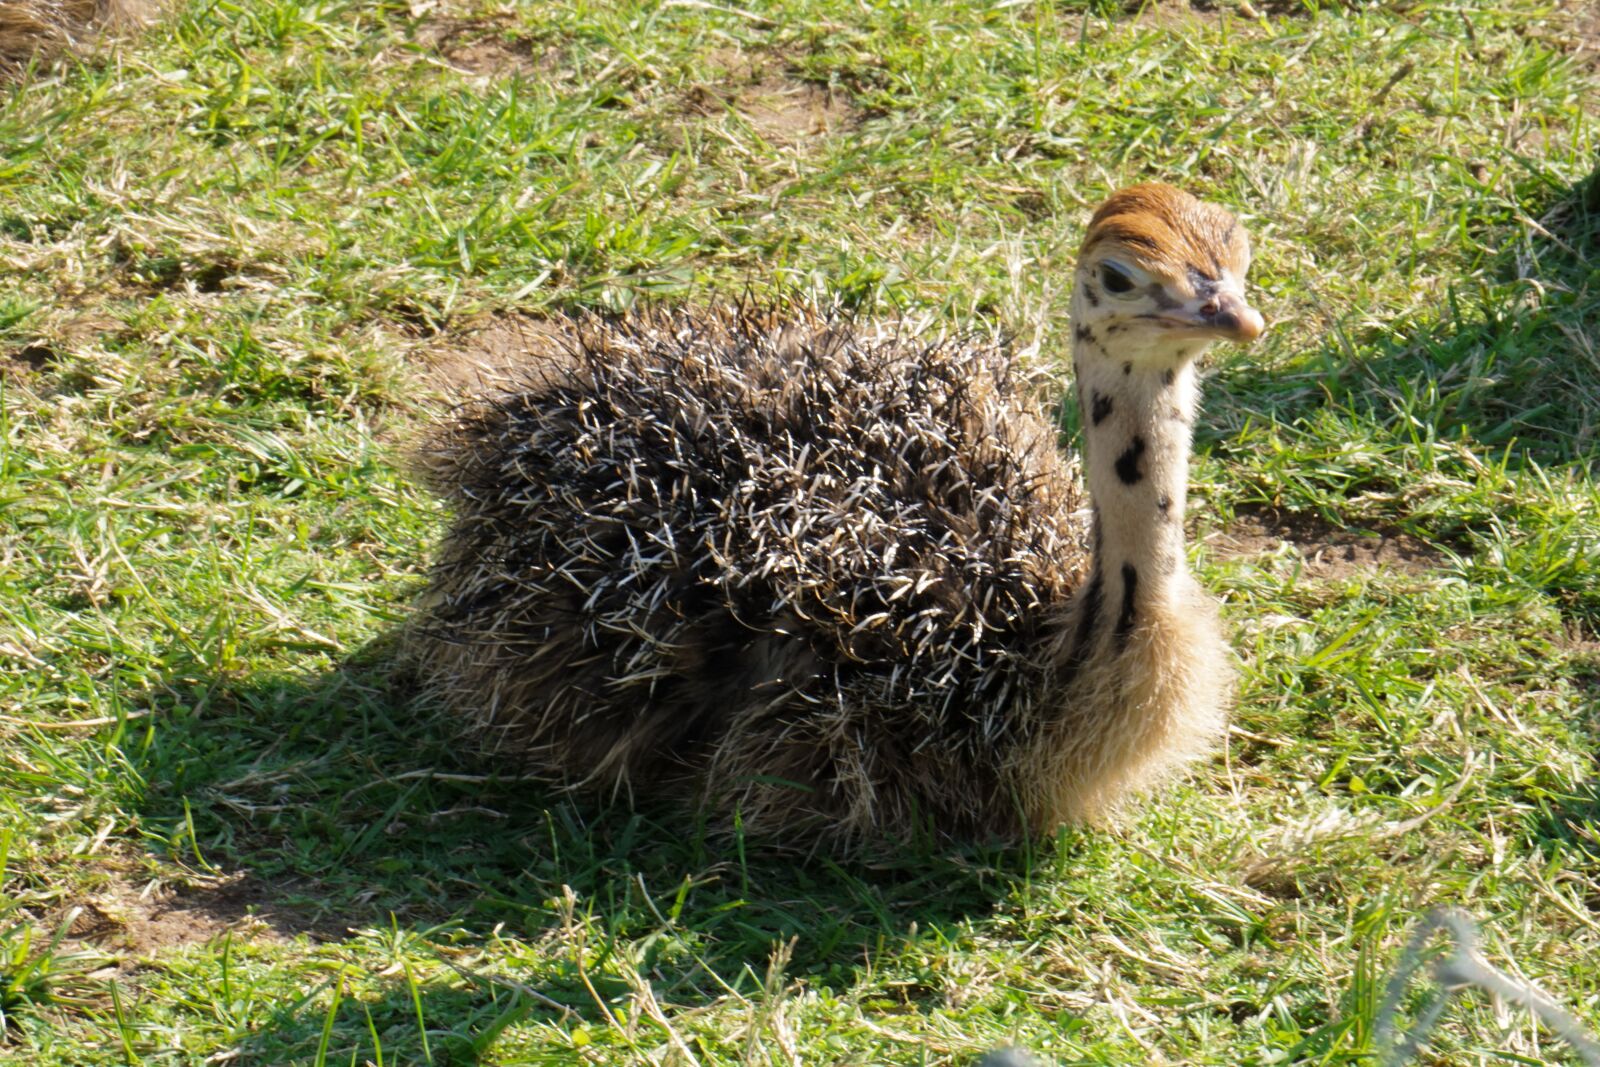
1138,416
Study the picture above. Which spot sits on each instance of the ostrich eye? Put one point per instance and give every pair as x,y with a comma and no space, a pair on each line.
1114,280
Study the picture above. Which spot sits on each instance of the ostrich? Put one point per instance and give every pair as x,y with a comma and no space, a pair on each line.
43,29
831,581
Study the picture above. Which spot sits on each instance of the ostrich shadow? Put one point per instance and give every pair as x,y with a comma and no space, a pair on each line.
337,806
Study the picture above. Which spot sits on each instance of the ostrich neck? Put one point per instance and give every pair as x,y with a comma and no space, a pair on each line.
1138,414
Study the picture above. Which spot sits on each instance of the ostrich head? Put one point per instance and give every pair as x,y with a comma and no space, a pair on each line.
1161,276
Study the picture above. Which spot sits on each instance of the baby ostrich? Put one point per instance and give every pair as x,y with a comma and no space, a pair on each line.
832,581
42,29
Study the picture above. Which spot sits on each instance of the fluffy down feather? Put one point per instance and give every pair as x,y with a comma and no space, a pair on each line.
34,30
807,571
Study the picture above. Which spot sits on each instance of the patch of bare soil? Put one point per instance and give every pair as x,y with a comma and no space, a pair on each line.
483,46
1327,551
1165,12
784,111
66,334
781,108
1573,27
135,922
32,358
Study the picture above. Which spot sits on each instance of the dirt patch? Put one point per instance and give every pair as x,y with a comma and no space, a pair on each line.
29,359
60,338
779,106
486,47
137,922
1326,551
784,111
1584,648
1167,12
1583,31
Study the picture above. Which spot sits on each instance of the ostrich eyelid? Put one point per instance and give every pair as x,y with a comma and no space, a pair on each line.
1118,281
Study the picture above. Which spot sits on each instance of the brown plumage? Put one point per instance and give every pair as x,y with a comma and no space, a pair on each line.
1174,232
33,31
830,580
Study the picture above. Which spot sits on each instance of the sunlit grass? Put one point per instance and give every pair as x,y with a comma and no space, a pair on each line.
233,245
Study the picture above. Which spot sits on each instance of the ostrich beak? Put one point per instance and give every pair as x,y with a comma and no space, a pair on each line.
1232,318
1228,317
1218,316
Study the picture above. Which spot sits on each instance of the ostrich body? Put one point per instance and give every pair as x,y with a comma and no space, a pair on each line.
33,30
834,581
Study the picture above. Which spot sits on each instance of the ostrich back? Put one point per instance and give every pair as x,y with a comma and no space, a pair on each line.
32,29
808,569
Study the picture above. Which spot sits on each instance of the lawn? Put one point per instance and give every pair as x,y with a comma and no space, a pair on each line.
247,254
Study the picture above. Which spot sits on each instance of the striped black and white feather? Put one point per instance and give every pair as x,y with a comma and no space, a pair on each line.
807,569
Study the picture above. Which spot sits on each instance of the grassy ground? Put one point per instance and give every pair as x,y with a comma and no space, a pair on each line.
232,250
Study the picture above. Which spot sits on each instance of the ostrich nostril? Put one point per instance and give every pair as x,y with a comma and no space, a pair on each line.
1209,309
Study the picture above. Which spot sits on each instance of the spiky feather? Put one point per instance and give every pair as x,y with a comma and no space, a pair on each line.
801,568
39,30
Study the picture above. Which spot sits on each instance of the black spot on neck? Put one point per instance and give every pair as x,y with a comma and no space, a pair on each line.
1164,502
1091,295
1083,333
1128,463
1127,368
1101,408
1130,582
1168,376
1087,621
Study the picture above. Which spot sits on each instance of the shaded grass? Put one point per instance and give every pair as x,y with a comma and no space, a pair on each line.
229,246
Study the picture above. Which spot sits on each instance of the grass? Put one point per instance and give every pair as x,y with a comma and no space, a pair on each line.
231,247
